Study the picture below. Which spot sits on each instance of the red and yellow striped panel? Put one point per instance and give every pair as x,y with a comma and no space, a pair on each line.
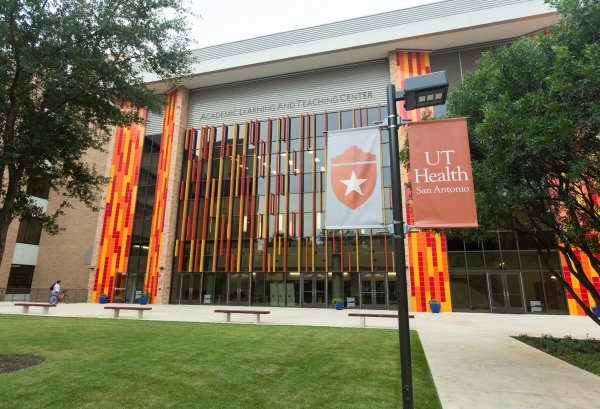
583,293
428,260
160,198
113,251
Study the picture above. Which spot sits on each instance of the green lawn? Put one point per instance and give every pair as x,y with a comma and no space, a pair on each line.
583,353
105,363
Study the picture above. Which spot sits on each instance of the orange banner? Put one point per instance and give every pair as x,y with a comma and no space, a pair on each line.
442,181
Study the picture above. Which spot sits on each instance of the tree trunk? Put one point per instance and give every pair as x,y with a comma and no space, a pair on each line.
4,225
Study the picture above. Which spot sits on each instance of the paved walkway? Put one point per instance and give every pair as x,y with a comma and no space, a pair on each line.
474,361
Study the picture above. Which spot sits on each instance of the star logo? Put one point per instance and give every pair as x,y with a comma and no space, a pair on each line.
353,176
353,184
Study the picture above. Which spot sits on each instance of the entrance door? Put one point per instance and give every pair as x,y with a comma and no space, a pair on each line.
119,291
506,293
189,290
314,289
239,288
134,287
373,291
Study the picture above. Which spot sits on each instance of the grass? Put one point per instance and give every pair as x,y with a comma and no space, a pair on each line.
105,363
583,353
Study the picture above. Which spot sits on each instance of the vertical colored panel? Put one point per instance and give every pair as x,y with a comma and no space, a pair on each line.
426,252
160,199
113,250
581,291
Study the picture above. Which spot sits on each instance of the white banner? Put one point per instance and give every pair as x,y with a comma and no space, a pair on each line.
354,179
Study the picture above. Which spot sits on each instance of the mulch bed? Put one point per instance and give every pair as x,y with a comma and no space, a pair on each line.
14,363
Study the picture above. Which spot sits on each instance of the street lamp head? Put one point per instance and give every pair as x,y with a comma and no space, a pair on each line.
425,90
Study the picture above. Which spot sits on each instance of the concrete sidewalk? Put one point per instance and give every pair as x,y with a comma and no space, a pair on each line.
474,361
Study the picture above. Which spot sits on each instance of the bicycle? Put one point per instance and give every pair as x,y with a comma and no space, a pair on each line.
62,297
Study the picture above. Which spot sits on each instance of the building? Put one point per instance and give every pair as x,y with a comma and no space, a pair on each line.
221,199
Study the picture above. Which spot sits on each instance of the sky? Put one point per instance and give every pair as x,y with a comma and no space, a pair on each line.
224,21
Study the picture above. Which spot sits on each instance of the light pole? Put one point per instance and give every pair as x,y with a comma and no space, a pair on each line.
419,92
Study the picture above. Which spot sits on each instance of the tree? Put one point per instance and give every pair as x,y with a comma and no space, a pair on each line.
65,67
534,129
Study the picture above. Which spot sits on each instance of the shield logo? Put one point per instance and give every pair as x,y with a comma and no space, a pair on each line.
353,176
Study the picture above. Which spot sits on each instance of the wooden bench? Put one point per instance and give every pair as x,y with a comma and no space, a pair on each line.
227,314
25,307
363,317
139,311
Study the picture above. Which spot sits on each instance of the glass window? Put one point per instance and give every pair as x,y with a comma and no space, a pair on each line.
456,261
553,260
459,291
20,276
478,291
475,260
30,232
347,120
493,261
294,128
38,187
510,260
374,114
555,295
332,121
534,292
385,154
529,260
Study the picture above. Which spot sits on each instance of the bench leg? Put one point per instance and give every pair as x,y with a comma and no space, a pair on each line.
45,310
24,309
362,322
226,316
139,314
257,318
115,314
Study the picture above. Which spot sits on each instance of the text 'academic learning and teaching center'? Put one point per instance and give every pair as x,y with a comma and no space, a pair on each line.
221,200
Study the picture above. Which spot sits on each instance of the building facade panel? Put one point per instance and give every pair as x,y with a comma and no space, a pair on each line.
582,292
113,253
316,91
427,259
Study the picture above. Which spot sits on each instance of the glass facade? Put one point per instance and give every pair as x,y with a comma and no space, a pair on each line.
503,275
252,205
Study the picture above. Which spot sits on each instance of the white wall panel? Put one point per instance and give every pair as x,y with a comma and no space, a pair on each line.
26,254
154,124
315,91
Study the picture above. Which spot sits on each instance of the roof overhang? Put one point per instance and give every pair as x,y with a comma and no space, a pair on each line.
497,23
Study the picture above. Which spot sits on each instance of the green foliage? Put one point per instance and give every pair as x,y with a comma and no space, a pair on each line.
337,300
583,353
237,366
145,295
433,302
534,121
65,67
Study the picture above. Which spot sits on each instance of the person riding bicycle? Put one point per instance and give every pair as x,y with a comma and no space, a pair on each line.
55,290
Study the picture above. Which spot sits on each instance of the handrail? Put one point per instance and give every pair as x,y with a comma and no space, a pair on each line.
76,295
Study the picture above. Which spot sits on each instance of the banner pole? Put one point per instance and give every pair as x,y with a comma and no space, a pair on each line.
399,253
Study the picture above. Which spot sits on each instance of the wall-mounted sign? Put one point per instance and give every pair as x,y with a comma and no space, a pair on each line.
535,303
308,104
